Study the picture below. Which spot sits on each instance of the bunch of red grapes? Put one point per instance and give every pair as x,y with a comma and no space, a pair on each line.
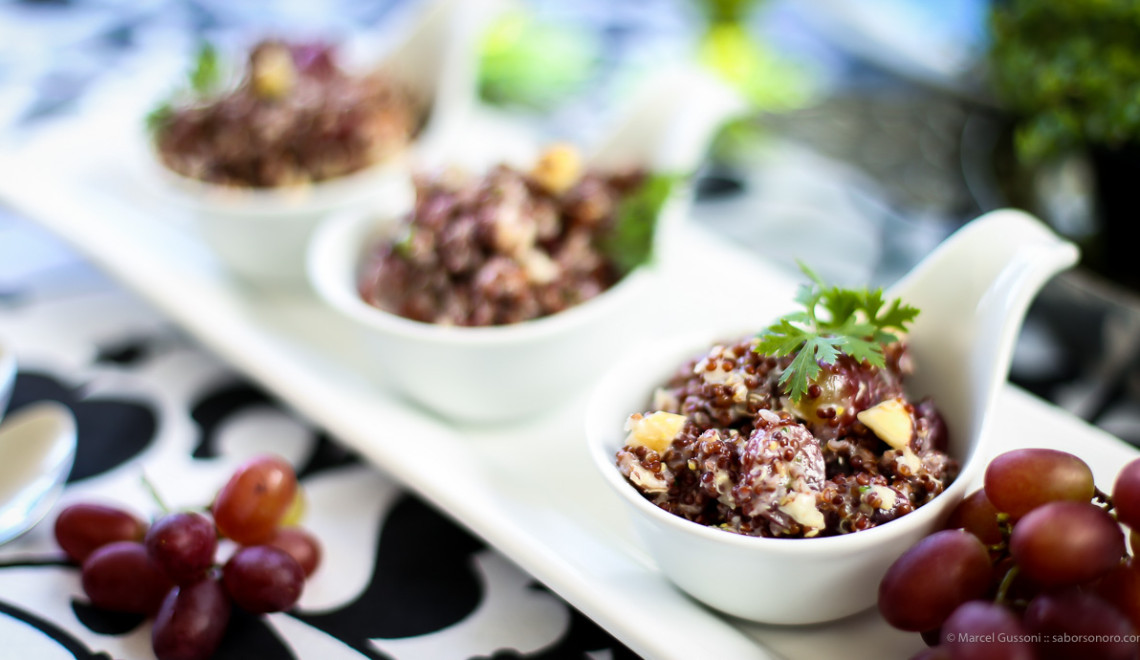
1033,566
169,570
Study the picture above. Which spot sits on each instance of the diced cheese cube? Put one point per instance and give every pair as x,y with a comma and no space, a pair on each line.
654,431
890,421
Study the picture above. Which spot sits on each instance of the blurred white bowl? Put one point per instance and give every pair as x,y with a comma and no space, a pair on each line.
490,374
261,234
482,374
973,291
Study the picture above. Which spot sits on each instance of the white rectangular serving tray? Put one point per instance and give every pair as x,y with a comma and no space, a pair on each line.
529,489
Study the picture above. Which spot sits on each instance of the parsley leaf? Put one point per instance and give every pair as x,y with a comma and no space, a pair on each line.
855,324
629,242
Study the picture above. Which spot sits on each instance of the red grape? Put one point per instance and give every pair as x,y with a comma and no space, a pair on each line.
1021,480
979,630
183,544
1061,616
122,577
1064,543
932,637
300,545
934,577
976,515
262,578
251,505
191,622
1121,588
80,529
1126,494
168,571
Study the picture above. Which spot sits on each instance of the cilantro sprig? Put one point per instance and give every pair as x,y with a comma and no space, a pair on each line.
629,242
835,321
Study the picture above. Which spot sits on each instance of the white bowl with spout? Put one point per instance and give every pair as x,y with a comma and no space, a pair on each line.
261,234
973,292
500,373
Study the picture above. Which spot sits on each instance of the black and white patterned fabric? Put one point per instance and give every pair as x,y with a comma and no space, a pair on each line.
398,580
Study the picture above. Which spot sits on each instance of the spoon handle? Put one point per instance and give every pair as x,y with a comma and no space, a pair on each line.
438,60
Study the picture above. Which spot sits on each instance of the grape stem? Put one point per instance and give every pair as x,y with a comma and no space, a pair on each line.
1104,499
1006,583
1001,548
149,486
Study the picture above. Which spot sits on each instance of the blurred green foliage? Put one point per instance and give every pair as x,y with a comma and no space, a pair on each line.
768,80
771,82
532,63
727,10
1070,70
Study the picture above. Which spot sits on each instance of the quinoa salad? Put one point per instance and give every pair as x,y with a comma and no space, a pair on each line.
723,446
501,248
296,117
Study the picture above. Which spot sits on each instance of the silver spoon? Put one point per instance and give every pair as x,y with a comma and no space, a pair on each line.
37,450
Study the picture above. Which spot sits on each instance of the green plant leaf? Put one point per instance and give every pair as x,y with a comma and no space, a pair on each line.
1069,71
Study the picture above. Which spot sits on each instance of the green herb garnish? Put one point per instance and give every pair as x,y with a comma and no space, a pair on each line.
203,80
157,118
207,73
856,324
629,242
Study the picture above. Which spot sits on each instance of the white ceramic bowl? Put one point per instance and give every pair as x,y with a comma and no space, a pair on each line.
973,292
261,234
483,374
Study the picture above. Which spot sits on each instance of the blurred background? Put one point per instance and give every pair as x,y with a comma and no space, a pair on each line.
877,127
